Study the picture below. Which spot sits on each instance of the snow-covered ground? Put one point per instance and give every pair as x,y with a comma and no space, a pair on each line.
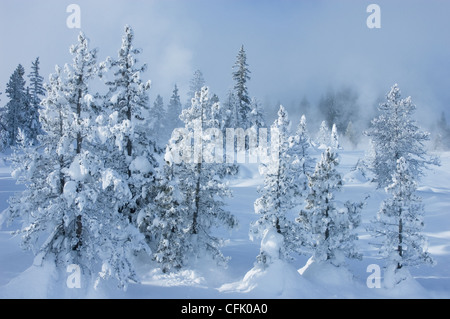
298,279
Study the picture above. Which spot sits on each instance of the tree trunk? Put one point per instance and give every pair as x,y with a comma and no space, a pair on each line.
327,230
129,144
278,205
197,200
197,186
78,223
78,230
400,242
79,137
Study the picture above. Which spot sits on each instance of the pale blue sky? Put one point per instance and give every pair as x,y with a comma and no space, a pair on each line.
294,47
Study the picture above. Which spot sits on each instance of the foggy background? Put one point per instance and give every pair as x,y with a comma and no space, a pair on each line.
295,49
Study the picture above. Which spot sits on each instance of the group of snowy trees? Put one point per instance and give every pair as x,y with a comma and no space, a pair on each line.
100,191
19,118
321,227
326,227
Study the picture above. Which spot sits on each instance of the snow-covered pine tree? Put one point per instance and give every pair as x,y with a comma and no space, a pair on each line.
30,118
243,101
42,206
214,112
174,109
277,195
95,219
208,189
171,222
256,115
329,231
395,134
69,215
299,150
195,85
158,126
334,138
128,126
323,136
223,116
400,225
229,114
200,193
14,116
36,92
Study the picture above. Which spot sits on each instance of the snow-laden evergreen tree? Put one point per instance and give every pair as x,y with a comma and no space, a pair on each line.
334,138
159,121
199,205
95,216
278,194
14,113
400,224
214,111
171,223
243,101
36,83
128,128
256,115
70,206
195,85
36,91
395,134
299,150
323,136
174,109
328,230
30,125
223,116
229,114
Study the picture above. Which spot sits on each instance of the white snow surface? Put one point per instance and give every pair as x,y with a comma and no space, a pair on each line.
299,278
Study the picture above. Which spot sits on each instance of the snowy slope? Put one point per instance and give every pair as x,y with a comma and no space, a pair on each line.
299,279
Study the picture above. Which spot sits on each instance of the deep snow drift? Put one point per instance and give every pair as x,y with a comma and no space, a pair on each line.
301,278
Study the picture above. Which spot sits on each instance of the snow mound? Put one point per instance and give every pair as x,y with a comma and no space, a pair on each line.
355,177
277,278
399,283
336,282
326,274
280,280
248,176
44,281
182,278
33,283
